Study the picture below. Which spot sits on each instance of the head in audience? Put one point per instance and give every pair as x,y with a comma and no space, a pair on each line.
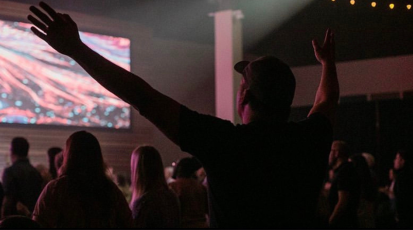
58,162
266,90
339,153
82,156
51,153
44,172
19,148
18,222
187,167
147,171
168,171
121,180
402,160
368,189
370,159
201,174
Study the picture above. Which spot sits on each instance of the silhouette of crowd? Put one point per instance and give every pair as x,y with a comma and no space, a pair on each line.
264,173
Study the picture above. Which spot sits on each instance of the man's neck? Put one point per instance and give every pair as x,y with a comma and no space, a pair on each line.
249,115
15,158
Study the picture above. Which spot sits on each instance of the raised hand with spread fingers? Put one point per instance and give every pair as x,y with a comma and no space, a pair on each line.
58,30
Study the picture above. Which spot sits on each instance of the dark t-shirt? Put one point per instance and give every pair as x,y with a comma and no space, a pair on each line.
259,174
345,179
403,191
22,182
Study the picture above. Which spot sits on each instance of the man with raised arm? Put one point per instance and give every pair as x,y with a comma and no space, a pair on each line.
284,162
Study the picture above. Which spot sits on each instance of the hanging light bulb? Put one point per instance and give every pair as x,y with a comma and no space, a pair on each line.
391,6
409,6
352,2
373,4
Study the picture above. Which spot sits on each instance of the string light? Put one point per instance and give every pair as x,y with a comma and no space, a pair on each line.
374,4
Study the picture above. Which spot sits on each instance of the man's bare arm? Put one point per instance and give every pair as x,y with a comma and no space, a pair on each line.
341,206
61,33
328,91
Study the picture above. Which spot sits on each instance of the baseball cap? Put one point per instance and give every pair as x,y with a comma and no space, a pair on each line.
270,80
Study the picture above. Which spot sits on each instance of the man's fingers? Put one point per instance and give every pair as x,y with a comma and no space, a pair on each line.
327,37
41,15
315,45
39,34
333,45
49,10
37,23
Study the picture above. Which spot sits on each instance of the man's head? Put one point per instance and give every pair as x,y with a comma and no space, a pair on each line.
339,153
19,147
267,87
401,159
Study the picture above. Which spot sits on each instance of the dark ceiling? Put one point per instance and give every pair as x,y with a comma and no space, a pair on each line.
362,32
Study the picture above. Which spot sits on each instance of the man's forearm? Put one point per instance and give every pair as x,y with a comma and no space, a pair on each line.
328,91
338,211
129,87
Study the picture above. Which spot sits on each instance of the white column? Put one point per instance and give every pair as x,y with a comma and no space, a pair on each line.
228,51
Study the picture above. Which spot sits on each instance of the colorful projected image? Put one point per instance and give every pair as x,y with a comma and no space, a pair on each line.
40,86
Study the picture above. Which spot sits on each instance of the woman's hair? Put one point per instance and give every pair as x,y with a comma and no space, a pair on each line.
85,170
82,156
146,171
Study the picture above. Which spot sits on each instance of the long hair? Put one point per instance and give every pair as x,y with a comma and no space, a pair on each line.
84,167
147,172
83,156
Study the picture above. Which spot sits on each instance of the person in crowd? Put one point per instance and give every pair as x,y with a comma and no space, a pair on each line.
18,222
201,175
51,154
44,172
82,196
1,196
385,205
124,186
153,204
265,141
58,162
191,193
403,189
369,192
169,171
22,183
344,195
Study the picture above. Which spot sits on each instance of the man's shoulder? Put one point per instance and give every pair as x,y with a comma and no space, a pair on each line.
8,171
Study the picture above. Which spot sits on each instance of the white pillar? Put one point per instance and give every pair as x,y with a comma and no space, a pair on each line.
228,51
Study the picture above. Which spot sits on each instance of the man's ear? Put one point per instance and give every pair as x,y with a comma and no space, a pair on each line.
402,161
246,96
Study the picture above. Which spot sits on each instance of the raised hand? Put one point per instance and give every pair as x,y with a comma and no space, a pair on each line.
326,53
58,30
